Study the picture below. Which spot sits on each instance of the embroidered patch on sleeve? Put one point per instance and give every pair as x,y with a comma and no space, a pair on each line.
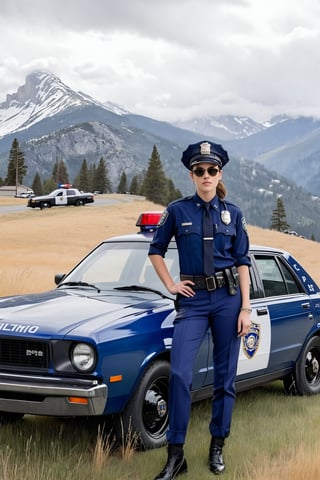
244,224
163,218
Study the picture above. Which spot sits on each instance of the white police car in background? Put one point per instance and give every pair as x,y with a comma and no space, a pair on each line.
99,343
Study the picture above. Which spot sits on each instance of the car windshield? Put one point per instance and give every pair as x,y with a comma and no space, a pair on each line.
121,264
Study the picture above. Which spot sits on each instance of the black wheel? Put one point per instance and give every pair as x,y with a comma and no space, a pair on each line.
7,418
144,421
79,202
305,380
45,205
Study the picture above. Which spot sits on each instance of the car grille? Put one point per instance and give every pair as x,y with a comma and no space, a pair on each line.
24,353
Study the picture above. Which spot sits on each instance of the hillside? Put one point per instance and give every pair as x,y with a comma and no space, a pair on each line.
63,235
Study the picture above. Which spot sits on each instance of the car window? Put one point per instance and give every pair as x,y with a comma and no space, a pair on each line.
276,277
121,264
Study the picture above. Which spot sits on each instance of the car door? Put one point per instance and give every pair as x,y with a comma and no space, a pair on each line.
289,308
61,198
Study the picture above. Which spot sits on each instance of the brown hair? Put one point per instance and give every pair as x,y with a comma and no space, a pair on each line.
221,190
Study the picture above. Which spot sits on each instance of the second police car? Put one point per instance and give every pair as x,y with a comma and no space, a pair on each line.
99,343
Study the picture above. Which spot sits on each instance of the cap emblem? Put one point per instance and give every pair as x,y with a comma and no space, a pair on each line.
205,148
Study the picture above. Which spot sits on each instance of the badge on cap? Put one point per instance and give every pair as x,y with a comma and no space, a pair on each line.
205,148
225,217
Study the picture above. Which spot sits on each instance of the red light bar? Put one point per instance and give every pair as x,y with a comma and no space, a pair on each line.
148,220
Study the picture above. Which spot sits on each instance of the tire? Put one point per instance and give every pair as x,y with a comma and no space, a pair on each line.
305,380
45,205
144,422
79,203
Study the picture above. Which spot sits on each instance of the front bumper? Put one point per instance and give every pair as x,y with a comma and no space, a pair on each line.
51,396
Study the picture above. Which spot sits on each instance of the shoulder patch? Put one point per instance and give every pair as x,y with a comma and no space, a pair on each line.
244,224
163,218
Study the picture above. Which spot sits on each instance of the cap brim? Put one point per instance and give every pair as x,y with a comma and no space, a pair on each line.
206,159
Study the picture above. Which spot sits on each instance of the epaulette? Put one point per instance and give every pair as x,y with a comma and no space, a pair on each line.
182,199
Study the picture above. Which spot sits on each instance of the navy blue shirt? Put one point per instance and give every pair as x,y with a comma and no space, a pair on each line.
183,220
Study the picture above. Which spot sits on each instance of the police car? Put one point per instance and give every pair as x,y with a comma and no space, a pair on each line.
62,196
99,343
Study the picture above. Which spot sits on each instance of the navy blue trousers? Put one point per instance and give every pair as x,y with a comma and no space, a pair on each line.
218,311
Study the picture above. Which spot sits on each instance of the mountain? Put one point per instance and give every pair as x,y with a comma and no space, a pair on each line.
43,96
52,122
290,147
225,127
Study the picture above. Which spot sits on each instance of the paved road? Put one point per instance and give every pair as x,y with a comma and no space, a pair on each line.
98,202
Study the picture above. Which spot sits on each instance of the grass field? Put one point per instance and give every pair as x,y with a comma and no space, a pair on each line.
273,436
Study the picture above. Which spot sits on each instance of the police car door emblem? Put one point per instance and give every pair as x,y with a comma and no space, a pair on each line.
225,217
251,341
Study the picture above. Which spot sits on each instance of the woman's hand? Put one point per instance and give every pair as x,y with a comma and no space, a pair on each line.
244,323
183,288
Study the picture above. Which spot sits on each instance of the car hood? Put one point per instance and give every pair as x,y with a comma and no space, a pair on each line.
57,313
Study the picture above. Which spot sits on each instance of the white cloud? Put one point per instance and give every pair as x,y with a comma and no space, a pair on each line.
170,59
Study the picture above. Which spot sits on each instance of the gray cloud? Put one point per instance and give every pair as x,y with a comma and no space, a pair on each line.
170,59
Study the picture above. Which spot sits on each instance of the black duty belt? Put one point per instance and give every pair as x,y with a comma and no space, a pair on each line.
228,277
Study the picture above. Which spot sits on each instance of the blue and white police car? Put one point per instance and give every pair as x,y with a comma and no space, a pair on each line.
99,343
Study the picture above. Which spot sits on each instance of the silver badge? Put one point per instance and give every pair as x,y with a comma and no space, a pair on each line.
225,217
205,148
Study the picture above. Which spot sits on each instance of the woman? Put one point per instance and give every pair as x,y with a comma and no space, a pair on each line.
213,292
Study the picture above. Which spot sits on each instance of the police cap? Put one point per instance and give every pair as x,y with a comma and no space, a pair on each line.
205,151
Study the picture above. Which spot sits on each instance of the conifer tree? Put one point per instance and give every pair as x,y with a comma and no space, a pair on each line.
135,185
84,180
122,187
154,186
37,185
279,217
102,182
59,173
16,166
173,192
48,186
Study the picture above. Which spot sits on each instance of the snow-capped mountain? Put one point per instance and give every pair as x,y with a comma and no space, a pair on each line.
225,127
43,96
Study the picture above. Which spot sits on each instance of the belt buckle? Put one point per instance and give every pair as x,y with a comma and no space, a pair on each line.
211,283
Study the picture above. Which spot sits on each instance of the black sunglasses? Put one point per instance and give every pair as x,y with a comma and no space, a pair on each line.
199,171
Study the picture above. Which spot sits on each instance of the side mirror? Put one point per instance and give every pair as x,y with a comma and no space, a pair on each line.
59,277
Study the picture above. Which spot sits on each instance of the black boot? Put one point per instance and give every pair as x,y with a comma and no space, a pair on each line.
176,463
215,455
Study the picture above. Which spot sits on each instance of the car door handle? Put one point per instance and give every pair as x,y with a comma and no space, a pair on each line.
305,305
262,311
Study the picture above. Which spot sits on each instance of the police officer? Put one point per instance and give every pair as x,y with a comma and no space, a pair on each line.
213,292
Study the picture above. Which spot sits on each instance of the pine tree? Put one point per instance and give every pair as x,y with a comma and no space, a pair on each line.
122,187
154,186
173,192
278,218
16,166
135,185
102,182
37,185
84,180
59,173
49,185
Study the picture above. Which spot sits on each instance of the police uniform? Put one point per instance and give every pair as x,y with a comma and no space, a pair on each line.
217,300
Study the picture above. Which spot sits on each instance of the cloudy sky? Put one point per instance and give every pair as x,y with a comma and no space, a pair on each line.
171,59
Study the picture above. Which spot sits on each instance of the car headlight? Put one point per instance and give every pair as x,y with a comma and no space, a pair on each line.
83,357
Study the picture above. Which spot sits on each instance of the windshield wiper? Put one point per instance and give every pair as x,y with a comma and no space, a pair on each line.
143,289
79,284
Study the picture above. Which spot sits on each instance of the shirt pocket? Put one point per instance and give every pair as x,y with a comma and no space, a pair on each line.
187,230
224,237
189,241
